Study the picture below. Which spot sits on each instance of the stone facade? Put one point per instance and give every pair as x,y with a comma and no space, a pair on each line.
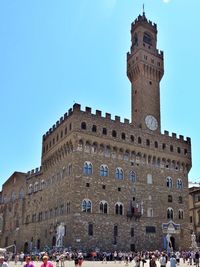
113,184
194,209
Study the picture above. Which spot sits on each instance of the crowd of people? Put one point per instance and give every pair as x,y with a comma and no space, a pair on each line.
136,259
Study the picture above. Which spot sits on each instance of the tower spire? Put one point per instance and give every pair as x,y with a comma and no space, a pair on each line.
143,13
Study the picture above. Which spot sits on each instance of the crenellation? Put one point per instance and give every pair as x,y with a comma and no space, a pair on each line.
166,133
57,123
108,116
181,137
98,113
76,107
54,127
126,121
70,112
65,115
174,135
88,110
117,118
188,140
61,119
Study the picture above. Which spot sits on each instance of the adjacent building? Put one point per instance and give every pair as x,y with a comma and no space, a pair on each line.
194,208
115,185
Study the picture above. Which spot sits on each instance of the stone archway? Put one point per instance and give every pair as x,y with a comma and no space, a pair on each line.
26,247
172,239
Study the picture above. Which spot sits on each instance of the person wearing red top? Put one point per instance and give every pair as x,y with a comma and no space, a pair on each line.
46,262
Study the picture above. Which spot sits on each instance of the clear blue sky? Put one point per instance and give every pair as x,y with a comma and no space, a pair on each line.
57,52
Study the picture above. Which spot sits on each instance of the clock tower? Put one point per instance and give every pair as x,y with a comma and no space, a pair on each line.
145,70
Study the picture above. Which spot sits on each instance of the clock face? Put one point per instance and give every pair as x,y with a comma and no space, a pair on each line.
151,122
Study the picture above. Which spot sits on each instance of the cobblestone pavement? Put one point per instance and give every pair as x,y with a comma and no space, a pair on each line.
99,264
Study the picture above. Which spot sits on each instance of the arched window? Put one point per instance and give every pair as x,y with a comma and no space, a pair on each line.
36,186
13,196
94,128
104,170
119,208
170,198
30,189
119,174
87,169
149,178
179,184
21,193
132,176
83,126
103,207
180,214
149,212
86,206
114,133
42,184
169,182
147,38
170,213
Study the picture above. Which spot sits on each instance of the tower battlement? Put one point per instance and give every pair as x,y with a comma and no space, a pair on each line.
88,110
141,19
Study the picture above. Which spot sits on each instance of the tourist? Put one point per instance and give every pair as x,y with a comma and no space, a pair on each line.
46,262
197,258
152,262
173,261
3,263
28,262
163,260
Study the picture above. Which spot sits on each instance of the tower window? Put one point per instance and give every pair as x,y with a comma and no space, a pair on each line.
90,229
169,198
171,148
147,142
147,38
94,128
104,131
156,144
123,136
83,125
132,138
139,140
114,133
163,146
178,150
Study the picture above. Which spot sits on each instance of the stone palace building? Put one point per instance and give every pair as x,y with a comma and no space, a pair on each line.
113,184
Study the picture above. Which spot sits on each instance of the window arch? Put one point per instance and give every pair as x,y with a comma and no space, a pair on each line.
103,206
169,182
132,176
42,184
179,184
83,125
170,213
149,178
13,196
114,133
180,214
104,170
147,38
87,169
119,209
86,206
30,189
21,193
119,173
36,186
149,212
